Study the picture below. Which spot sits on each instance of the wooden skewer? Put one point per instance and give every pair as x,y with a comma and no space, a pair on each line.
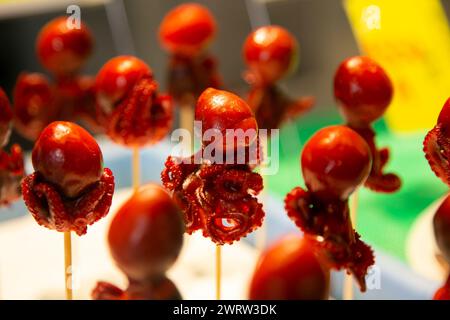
218,272
136,169
261,233
348,280
68,265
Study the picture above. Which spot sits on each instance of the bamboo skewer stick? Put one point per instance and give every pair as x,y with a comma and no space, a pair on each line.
348,293
218,272
136,169
68,265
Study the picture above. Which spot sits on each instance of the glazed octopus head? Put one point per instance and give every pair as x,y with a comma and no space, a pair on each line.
187,29
61,49
270,52
363,90
68,157
116,79
291,269
146,234
6,116
225,113
441,224
437,145
335,161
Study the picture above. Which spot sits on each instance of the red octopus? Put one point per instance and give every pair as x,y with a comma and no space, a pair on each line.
185,32
38,102
11,165
129,105
145,239
69,189
364,91
219,198
441,226
437,145
271,52
334,162
291,269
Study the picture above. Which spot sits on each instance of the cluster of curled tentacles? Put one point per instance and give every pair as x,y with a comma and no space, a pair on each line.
154,289
220,200
437,151
11,173
37,102
51,209
142,117
378,181
330,221
272,106
190,76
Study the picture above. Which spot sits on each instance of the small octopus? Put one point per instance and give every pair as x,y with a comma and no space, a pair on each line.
334,162
185,33
69,189
37,101
145,239
364,92
129,105
11,164
271,52
437,145
219,198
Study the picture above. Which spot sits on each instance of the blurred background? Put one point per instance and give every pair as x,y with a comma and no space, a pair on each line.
327,36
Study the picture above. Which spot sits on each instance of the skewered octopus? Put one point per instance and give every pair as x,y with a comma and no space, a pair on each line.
185,33
219,198
129,105
11,165
364,91
38,102
441,225
271,52
69,189
437,145
291,269
335,161
145,239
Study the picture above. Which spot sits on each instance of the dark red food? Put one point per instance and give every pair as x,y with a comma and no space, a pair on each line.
217,197
437,145
271,52
129,105
5,118
443,293
364,91
37,100
335,161
63,50
226,113
145,239
187,29
291,269
185,33
69,189
11,165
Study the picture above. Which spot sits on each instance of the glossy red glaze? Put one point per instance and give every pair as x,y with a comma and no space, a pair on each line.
5,118
222,111
67,156
61,49
187,29
441,224
443,293
270,52
290,270
116,79
335,161
363,90
146,234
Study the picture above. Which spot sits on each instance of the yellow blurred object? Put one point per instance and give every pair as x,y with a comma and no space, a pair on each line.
411,40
